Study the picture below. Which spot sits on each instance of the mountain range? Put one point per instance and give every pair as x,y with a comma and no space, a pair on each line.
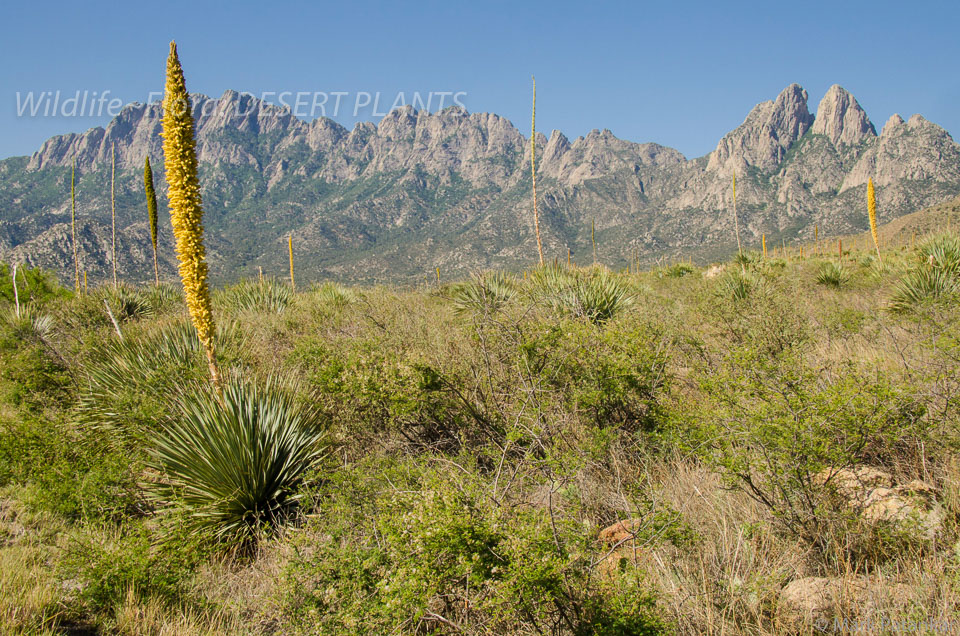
393,201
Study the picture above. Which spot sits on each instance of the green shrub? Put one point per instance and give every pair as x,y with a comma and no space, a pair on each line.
34,285
234,459
432,550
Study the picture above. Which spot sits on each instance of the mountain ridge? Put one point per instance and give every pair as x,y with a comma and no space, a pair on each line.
393,200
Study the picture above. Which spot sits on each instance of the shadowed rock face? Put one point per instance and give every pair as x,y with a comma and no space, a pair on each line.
452,189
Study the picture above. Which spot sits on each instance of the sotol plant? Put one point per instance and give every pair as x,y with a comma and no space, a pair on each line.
186,211
832,275
73,225
533,169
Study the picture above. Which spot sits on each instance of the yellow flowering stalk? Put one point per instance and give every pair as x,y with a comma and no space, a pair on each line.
763,242
186,211
533,168
113,209
151,213
73,226
872,213
290,249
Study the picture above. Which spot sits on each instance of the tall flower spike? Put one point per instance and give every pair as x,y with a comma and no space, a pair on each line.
113,209
293,285
736,220
872,213
186,211
151,213
73,226
533,168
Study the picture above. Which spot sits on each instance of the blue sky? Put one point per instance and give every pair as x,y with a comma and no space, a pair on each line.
680,74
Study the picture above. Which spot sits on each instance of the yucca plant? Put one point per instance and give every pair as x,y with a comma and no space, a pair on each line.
186,210
234,460
151,195
595,294
486,293
126,302
832,275
738,285
268,295
334,295
934,278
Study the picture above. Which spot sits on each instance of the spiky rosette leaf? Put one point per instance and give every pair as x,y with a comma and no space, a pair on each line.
235,459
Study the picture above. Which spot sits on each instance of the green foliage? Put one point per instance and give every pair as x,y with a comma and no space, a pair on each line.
107,566
34,285
66,469
126,302
772,423
431,550
33,374
234,459
677,270
832,275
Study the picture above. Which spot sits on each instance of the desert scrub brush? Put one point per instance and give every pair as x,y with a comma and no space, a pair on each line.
151,194
872,213
186,211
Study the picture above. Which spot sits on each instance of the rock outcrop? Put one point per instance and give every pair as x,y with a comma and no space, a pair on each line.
391,200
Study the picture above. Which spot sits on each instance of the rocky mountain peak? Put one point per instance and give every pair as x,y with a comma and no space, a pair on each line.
764,137
841,119
892,123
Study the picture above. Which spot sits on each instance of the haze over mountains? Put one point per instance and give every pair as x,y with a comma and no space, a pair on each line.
389,202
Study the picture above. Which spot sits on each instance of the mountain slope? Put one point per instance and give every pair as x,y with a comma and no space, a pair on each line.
391,201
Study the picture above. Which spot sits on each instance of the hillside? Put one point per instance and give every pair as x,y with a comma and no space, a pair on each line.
764,448
392,201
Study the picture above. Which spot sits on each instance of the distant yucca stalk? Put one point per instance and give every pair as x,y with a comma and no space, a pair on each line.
736,221
186,211
872,212
763,243
293,285
73,225
113,208
840,248
593,237
151,213
533,169
438,276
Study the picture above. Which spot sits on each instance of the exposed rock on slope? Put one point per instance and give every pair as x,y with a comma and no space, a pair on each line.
392,201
